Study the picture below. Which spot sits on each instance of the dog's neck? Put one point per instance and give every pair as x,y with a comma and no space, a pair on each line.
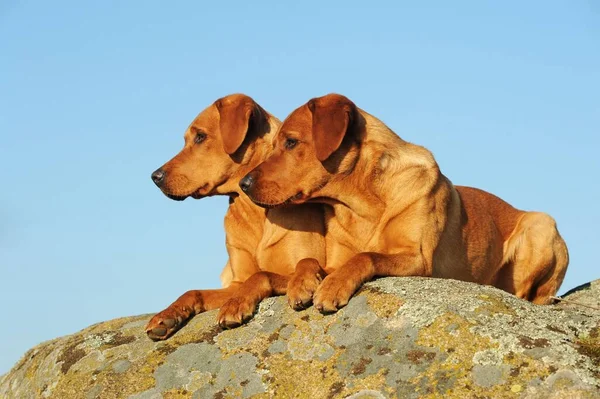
256,152
384,170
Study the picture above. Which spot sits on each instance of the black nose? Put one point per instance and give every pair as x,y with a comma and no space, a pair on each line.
246,183
158,176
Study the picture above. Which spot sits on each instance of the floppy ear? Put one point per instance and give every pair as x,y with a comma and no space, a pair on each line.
332,116
234,120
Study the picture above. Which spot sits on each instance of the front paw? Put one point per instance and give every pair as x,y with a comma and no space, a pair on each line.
301,288
333,294
166,323
235,312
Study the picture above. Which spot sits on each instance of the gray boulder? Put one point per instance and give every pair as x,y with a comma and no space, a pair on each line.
398,337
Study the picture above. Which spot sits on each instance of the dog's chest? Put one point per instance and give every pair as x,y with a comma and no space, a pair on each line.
349,234
284,244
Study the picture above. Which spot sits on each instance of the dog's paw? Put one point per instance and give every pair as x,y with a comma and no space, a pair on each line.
301,288
235,312
166,323
333,294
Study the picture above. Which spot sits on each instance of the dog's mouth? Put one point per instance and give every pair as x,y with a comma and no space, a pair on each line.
176,197
295,199
204,191
199,193
299,198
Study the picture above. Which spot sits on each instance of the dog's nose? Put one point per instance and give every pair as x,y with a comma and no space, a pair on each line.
246,183
158,177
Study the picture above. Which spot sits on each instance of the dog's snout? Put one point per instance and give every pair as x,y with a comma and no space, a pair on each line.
246,183
158,177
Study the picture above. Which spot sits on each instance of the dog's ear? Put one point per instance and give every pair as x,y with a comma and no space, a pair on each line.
235,114
332,117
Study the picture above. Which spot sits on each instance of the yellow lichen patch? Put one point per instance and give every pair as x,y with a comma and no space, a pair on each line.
154,359
301,340
382,304
255,344
91,372
306,342
36,357
304,347
57,357
139,377
374,382
451,334
264,395
523,369
40,366
284,377
202,328
32,358
494,305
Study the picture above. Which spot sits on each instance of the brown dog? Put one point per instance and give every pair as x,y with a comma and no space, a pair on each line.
222,144
393,213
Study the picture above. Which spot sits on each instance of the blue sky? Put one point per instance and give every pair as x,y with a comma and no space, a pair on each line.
96,95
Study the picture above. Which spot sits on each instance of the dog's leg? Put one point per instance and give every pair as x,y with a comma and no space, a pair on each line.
537,256
241,306
304,282
167,322
337,288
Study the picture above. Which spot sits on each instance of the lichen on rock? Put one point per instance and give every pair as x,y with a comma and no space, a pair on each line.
398,337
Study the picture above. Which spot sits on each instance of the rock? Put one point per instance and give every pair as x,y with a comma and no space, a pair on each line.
587,294
398,337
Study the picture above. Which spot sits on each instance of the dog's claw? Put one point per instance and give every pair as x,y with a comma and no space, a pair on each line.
299,305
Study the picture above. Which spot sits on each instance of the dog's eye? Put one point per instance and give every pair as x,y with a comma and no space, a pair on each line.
199,137
290,143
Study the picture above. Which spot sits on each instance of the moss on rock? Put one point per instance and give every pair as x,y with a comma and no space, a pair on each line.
398,337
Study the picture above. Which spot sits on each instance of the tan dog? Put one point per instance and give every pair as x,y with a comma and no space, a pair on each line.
222,144
393,213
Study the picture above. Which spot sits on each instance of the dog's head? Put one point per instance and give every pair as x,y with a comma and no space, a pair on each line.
218,143
314,143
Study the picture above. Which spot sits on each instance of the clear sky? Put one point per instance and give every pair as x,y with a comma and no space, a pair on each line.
96,95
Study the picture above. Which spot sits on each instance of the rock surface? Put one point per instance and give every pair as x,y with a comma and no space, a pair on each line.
587,294
398,337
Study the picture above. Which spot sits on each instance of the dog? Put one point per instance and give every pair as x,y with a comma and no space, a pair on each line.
266,247
391,212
